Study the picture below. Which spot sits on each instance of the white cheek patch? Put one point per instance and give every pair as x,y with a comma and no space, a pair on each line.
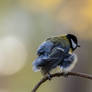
73,44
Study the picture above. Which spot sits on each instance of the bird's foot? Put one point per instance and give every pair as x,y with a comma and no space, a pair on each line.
49,76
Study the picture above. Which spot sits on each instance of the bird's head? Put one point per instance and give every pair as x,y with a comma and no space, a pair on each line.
73,41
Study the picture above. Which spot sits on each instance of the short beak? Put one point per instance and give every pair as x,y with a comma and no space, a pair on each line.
78,45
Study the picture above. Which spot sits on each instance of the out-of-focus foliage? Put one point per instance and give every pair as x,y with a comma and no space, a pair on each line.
24,24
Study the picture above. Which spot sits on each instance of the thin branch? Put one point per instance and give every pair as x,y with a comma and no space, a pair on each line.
44,79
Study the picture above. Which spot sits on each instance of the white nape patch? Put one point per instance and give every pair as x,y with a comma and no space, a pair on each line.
68,69
73,44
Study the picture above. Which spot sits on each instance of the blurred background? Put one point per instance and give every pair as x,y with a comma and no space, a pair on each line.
24,24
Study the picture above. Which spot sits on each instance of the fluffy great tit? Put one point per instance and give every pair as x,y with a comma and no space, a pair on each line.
56,51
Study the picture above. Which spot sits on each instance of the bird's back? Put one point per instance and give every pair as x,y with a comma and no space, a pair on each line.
49,56
61,41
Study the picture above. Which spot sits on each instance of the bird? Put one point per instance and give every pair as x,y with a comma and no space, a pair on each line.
57,51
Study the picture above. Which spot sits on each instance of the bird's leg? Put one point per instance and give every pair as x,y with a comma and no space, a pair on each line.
49,76
65,73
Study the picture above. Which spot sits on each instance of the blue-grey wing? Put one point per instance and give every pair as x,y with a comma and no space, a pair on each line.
43,51
45,48
56,57
38,62
53,59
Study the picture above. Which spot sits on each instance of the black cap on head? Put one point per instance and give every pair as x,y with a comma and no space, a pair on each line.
73,41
